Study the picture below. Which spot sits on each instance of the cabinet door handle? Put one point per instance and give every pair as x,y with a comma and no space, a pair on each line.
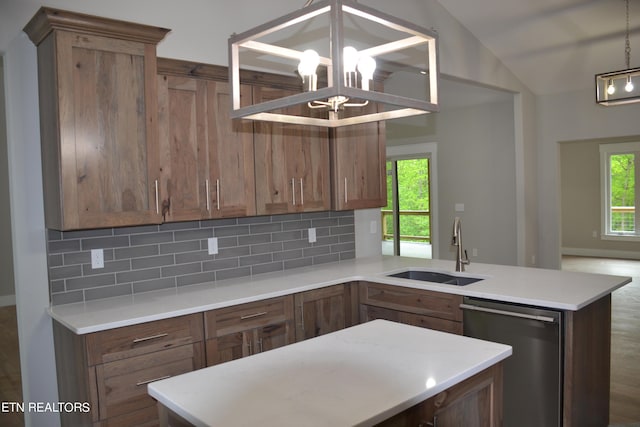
149,338
206,184
546,319
251,316
260,345
293,190
218,194
157,200
250,349
302,316
138,384
301,192
433,423
346,199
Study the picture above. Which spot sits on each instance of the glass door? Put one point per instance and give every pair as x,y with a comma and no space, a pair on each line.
406,220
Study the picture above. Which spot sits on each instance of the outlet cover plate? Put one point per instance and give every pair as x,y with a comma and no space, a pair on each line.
212,245
97,258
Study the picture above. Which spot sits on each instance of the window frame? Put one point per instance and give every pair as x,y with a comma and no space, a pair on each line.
606,151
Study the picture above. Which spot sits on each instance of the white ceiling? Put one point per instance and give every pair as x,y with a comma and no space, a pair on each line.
553,45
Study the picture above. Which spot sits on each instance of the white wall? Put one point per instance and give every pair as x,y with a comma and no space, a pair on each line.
27,222
476,166
569,117
7,292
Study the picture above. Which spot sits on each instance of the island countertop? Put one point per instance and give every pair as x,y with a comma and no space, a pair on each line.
554,289
357,376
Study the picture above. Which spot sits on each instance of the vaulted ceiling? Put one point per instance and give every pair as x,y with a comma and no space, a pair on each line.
553,45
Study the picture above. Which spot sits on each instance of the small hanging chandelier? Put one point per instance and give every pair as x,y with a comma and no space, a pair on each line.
619,87
353,64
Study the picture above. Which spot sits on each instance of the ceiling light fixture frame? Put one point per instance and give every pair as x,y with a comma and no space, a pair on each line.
337,85
617,87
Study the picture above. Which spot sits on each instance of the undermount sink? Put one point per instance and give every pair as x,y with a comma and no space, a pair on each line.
436,277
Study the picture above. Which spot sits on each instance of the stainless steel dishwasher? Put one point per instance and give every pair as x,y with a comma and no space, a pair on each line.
533,374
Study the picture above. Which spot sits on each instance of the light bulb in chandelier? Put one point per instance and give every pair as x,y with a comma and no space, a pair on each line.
629,86
307,69
366,67
611,89
349,64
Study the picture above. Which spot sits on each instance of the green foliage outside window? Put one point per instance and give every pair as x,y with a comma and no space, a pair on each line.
413,183
622,189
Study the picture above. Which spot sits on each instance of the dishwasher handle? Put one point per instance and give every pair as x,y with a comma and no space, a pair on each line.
546,319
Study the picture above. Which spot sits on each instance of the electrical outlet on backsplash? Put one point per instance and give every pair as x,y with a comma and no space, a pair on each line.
146,258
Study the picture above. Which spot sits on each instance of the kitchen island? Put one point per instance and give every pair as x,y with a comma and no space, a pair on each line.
121,344
359,376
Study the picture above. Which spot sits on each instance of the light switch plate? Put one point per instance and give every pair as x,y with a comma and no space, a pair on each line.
97,258
459,207
212,245
312,235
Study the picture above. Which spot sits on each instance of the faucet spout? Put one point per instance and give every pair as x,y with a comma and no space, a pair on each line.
456,240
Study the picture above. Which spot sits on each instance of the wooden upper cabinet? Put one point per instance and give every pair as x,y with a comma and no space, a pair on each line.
231,160
358,160
98,107
182,141
206,158
291,164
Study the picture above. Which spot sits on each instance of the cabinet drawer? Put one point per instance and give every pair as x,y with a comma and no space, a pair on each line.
368,312
239,318
129,341
417,301
122,385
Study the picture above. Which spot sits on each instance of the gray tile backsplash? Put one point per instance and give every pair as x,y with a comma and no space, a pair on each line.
153,257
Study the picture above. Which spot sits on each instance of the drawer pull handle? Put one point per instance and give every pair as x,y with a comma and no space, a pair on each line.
251,316
138,384
152,337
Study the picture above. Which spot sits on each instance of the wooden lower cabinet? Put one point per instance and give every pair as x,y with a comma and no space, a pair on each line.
246,329
475,402
325,310
418,307
111,369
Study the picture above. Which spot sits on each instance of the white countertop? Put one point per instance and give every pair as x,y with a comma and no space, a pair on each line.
540,287
358,376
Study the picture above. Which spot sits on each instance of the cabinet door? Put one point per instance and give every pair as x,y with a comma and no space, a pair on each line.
183,148
242,330
358,159
322,311
228,347
291,162
246,343
106,104
474,402
231,183
122,385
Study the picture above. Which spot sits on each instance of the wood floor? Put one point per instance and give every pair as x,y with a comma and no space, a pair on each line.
10,383
625,335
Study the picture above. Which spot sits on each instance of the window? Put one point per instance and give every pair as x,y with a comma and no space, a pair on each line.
406,220
620,172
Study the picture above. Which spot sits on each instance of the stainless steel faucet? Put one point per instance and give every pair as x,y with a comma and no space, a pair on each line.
456,240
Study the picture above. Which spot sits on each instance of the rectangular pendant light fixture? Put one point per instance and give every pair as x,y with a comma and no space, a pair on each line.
351,64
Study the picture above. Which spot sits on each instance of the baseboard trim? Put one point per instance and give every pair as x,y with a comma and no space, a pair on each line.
601,253
6,300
